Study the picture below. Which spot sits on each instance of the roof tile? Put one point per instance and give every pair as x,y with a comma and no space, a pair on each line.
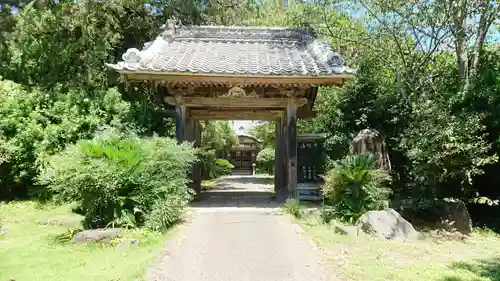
235,50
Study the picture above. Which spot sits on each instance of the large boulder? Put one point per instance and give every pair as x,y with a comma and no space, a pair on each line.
369,140
444,214
96,235
454,216
387,224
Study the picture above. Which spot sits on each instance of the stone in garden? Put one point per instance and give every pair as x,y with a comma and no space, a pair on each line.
128,243
96,235
456,214
59,221
387,224
3,230
369,140
347,230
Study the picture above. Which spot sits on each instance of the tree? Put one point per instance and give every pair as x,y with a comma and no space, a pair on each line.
264,131
414,32
218,135
7,23
69,43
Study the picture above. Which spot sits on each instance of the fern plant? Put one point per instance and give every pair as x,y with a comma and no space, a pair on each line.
354,186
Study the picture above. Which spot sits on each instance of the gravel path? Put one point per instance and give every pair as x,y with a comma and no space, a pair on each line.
243,244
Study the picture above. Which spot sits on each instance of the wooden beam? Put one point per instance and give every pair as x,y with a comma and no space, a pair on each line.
242,114
227,102
229,79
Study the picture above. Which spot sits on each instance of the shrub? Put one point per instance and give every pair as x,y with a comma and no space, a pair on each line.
36,123
354,187
265,161
122,180
211,167
327,214
292,207
223,167
164,214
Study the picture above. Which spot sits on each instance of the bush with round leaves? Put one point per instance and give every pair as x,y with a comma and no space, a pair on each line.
265,161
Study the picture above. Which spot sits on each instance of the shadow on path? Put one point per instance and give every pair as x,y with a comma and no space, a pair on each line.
239,192
242,180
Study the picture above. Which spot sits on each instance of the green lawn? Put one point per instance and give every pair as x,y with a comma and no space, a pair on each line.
369,258
28,251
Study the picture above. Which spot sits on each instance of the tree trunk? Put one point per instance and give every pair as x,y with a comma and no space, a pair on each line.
460,25
483,26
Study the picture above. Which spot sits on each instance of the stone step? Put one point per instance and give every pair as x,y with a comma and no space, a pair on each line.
241,172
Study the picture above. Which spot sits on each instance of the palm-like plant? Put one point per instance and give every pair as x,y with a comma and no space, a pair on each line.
354,186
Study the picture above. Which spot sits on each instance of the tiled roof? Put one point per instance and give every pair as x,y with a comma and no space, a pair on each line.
234,50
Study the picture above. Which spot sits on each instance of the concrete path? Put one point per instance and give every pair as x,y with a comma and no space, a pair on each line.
239,243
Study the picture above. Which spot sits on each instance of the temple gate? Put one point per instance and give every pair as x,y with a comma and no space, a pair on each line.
238,73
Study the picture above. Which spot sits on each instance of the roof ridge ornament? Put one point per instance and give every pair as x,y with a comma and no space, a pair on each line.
170,30
324,53
132,57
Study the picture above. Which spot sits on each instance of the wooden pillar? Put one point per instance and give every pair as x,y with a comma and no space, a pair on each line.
180,122
189,128
277,158
197,165
284,158
291,136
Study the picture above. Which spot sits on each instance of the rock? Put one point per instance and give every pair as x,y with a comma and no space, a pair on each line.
49,222
346,230
454,216
59,221
128,243
450,215
96,235
441,233
369,140
387,224
3,230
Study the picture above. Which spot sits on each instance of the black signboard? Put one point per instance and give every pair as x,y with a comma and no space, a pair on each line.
310,158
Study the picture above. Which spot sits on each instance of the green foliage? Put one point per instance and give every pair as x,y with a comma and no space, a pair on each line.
224,167
212,167
292,207
444,150
67,236
218,135
165,213
265,161
354,187
122,180
69,43
327,214
36,123
264,131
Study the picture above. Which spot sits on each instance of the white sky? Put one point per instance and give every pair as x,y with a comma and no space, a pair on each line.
246,124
